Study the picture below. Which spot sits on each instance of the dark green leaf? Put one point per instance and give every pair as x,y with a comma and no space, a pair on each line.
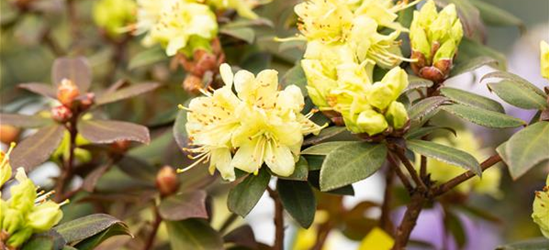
257,62
299,200
147,57
137,168
39,88
244,34
421,111
184,206
301,171
125,93
77,69
194,234
94,241
473,64
415,82
517,95
50,240
91,179
326,148
482,117
105,131
86,227
423,131
314,180
531,244
469,50
324,134
351,163
469,99
296,76
245,195
454,226
314,161
445,154
495,16
37,148
526,149
242,236
24,121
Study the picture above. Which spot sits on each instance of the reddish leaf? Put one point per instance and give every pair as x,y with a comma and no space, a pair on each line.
39,88
242,236
24,121
115,86
37,148
125,93
76,69
103,131
184,206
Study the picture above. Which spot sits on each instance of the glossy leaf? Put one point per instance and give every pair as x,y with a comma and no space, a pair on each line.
88,226
147,57
184,206
326,148
243,198
299,200
193,234
39,88
24,121
94,241
301,171
482,117
470,99
421,111
531,244
446,154
77,69
125,93
325,134
104,131
526,149
244,34
518,95
37,148
351,163
473,64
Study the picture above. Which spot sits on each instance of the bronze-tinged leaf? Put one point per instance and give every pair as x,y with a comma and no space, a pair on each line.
104,131
184,206
39,88
37,148
242,236
125,93
75,69
24,121
91,179
89,226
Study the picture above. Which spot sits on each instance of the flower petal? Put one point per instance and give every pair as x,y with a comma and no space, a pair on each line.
279,159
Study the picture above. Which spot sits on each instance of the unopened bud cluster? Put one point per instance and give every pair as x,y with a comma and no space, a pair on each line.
71,100
26,212
166,181
435,38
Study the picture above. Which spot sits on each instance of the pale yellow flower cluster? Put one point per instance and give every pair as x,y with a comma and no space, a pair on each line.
343,46
259,124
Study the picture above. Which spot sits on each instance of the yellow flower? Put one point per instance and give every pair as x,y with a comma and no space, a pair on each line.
544,58
5,167
540,214
324,20
442,172
114,15
182,26
260,124
242,7
377,239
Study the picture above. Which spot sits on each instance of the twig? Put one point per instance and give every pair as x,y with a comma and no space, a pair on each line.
67,171
228,222
395,165
443,188
423,168
409,220
278,220
385,220
157,220
322,235
410,168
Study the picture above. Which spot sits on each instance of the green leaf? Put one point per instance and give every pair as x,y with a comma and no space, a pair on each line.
526,149
324,134
473,64
421,111
147,57
299,200
495,16
24,121
351,163
184,206
50,240
125,93
257,62
244,34
469,99
517,95
88,226
296,76
531,244
482,117
314,180
454,226
301,171
243,198
37,148
423,131
445,154
504,75
415,82
106,131
94,241
326,148
194,234
469,50
314,161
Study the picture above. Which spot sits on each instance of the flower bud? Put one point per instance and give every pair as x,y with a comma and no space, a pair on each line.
61,114
371,122
388,90
205,61
23,194
120,146
67,92
192,84
166,181
44,216
18,238
544,58
13,220
87,100
541,209
8,133
396,115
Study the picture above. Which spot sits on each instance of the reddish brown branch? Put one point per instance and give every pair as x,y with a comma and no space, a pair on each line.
156,224
385,220
410,168
403,178
409,221
278,220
